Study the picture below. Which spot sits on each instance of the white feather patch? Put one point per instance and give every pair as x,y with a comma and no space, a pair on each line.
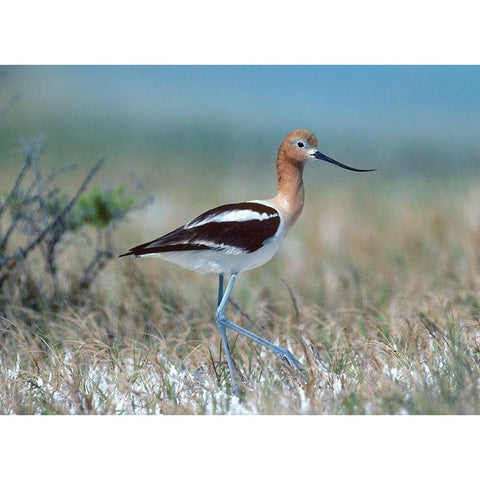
233,216
229,249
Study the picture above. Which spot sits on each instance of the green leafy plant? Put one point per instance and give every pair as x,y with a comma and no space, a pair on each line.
101,207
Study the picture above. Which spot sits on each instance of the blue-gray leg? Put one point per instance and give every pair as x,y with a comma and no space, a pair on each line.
283,353
223,323
222,302
220,289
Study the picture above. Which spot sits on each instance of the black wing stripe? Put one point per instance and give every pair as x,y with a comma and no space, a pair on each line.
167,248
247,236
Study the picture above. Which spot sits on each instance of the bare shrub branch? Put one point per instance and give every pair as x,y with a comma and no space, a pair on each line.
48,221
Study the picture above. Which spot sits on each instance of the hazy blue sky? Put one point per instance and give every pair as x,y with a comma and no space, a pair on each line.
437,104
279,94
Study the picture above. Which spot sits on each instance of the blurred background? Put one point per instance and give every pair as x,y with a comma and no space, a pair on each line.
200,136
420,120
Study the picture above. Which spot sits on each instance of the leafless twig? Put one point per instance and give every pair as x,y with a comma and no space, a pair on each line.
10,103
23,252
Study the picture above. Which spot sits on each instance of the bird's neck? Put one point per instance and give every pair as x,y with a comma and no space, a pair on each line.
291,193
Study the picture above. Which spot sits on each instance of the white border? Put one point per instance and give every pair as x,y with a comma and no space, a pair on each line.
253,32
239,447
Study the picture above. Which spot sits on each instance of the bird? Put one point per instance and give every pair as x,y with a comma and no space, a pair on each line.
236,237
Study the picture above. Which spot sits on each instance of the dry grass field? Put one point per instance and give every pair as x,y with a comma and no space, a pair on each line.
376,290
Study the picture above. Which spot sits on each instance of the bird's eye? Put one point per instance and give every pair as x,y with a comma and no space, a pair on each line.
300,144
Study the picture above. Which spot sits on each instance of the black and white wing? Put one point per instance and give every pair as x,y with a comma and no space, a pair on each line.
232,229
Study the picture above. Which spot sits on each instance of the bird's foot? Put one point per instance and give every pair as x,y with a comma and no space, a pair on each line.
292,362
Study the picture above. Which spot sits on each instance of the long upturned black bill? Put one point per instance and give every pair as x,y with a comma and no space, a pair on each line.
321,156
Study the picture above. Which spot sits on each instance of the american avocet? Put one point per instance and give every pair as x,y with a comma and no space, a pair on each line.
232,238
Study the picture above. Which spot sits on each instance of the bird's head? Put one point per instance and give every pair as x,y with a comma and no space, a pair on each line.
300,147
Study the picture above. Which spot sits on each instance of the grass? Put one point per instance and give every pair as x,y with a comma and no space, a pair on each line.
376,290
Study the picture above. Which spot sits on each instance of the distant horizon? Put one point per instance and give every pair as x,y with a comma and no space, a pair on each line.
376,107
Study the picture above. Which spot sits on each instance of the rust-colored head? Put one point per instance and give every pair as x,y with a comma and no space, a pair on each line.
300,146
